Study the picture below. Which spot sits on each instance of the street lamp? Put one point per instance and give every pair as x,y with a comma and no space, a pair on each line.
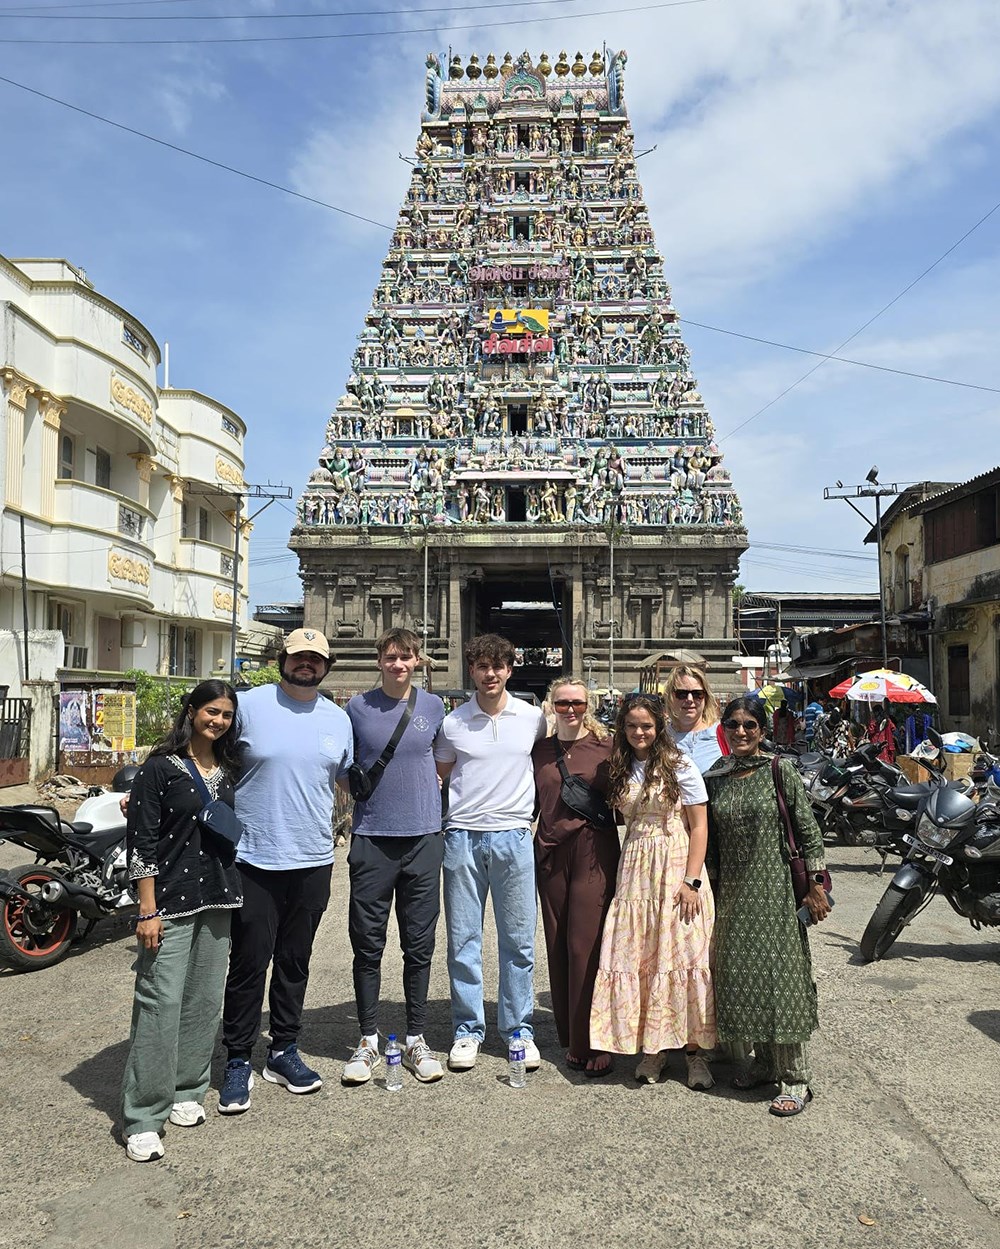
872,489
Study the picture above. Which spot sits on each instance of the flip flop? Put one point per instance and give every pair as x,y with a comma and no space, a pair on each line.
798,1104
596,1073
576,1064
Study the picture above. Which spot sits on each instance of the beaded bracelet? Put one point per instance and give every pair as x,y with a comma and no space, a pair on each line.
141,919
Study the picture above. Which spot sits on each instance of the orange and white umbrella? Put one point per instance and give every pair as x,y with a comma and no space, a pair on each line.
873,687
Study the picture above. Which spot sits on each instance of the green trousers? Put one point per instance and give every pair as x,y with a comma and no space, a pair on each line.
175,1016
785,1065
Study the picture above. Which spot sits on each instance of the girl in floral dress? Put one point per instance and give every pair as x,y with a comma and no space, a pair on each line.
654,988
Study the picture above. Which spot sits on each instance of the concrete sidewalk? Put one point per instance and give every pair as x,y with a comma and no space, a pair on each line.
903,1131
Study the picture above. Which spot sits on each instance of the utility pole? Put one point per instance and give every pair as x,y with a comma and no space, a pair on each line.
268,492
871,489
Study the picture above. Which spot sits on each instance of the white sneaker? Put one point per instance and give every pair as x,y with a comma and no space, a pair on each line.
419,1059
699,1072
362,1063
532,1058
144,1147
464,1053
187,1114
650,1068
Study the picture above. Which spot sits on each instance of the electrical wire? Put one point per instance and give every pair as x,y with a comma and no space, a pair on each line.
19,10
183,151
355,34
824,356
885,308
313,15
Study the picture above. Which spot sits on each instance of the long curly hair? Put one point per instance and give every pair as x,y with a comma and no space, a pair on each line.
590,720
661,763
178,739
710,708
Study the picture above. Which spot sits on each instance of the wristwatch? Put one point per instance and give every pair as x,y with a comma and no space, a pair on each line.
692,882
819,878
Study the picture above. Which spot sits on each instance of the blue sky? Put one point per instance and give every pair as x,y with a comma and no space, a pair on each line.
812,158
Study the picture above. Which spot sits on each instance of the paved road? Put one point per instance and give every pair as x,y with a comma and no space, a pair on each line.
903,1131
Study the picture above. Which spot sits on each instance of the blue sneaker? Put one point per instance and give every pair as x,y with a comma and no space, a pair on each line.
234,1098
287,1068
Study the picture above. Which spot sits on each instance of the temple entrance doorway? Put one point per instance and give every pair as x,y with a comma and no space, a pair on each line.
534,614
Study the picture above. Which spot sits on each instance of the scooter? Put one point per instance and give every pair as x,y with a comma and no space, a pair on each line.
80,871
954,849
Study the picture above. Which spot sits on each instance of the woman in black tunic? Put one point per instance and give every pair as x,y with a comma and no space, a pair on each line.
187,885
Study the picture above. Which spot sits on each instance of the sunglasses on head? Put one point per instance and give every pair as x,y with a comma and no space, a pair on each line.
631,699
748,726
567,704
697,695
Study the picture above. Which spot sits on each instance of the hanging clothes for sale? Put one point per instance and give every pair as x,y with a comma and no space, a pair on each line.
883,734
916,729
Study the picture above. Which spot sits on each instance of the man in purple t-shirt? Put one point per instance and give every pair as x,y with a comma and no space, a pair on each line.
396,852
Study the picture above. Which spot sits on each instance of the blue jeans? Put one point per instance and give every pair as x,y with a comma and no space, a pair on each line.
475,864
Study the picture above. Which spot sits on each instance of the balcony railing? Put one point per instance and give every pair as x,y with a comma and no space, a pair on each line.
130,522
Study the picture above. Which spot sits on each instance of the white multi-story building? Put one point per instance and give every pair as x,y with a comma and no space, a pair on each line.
125,489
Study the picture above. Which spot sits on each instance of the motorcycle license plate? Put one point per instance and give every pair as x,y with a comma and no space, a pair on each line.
936,855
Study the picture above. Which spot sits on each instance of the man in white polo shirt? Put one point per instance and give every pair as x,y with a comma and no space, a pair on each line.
484,751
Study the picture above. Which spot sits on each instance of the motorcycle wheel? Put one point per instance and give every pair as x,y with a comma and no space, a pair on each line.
895,908
34,935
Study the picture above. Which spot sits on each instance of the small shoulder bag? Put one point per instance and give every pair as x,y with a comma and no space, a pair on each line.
362,781
216,816
581,798
801,883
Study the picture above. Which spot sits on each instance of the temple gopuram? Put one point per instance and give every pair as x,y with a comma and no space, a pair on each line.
522,447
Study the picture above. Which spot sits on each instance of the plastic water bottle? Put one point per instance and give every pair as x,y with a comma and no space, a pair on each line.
393,1065
515,1062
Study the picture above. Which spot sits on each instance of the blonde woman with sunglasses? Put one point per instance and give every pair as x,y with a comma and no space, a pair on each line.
575,867
694,715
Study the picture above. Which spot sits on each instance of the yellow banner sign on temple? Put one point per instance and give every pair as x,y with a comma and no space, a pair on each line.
519,320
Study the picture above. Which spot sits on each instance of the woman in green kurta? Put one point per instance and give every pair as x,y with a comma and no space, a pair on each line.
764,990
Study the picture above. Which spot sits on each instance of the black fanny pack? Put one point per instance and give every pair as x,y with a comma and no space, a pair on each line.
581,798
216,817
362,781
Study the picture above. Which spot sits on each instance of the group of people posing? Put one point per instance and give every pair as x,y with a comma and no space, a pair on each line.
684,936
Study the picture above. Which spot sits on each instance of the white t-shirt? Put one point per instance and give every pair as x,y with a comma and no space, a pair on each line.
692,785
492,785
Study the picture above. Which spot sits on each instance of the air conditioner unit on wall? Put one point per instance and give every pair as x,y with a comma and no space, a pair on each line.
133,631
75,657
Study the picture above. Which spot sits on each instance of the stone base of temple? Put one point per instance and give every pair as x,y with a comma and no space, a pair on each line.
558,592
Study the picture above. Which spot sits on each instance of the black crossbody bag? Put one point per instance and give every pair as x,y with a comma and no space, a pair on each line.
362,781
581,798
216,816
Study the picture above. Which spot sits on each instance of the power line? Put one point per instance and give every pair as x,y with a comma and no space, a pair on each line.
174,147
312,15
824,355
895,299
357,34
19,10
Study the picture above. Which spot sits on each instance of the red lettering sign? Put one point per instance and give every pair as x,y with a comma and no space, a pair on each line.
529,344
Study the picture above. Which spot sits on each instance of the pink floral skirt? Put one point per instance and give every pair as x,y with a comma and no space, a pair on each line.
654,985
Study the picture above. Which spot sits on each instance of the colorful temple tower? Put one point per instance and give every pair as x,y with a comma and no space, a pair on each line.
522,447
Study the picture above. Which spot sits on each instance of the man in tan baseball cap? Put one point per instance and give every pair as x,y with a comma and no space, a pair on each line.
294,745
300,640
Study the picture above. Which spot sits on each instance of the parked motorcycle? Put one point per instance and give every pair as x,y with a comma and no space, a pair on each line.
954,849
79,872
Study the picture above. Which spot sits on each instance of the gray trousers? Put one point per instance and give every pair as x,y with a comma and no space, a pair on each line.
175,1016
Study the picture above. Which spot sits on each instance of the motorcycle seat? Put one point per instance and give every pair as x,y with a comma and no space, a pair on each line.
98,843
908,796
